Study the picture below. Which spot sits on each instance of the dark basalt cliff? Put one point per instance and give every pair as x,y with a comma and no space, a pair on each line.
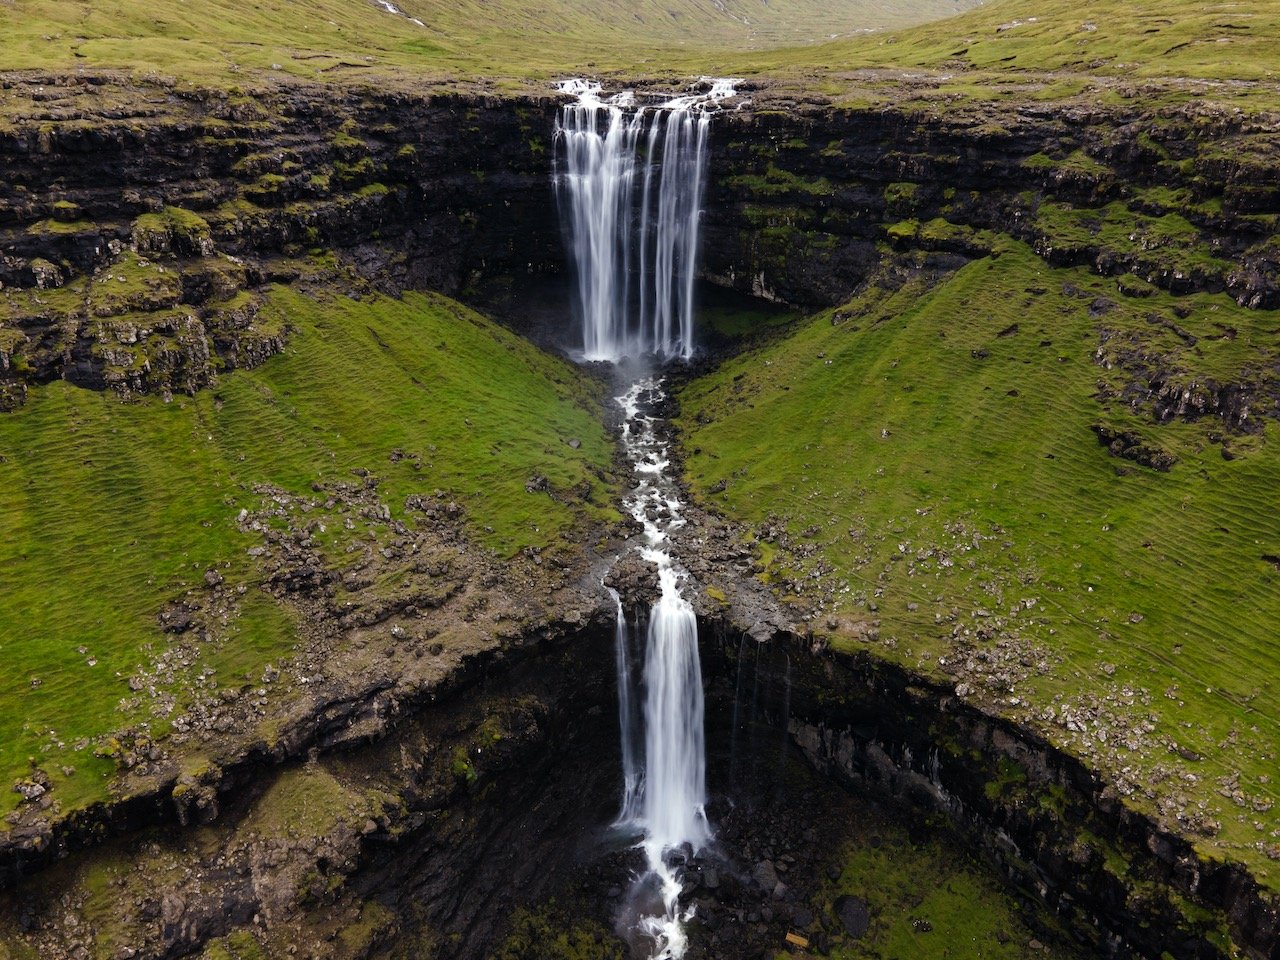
1056,829
135,244
410,839
1184,198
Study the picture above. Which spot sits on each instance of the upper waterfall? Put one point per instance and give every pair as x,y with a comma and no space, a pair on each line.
631,194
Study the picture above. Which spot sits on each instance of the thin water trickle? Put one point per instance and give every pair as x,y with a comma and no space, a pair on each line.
629,722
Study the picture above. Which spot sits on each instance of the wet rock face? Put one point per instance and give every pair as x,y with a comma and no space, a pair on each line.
462,178
136,242
635,580
1037,812
433,835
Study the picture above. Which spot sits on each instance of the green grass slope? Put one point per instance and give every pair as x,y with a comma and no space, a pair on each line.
1225,40
112,509
350,39
925,461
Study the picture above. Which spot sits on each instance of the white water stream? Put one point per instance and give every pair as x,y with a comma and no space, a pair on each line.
631,193
668,804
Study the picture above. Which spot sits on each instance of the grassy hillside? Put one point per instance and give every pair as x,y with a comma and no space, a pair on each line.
964,42
351,39
927,460
112,510
1225,40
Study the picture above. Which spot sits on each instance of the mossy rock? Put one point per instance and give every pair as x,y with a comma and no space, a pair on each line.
64,211
173,231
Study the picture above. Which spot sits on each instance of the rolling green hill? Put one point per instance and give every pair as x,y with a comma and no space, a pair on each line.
114,510
958,474
434,39
1216,42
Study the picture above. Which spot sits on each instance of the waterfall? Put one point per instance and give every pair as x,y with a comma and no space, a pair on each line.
628,720
668,802
630,194
675,764
635,256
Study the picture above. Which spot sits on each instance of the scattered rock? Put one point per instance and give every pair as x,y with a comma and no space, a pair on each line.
765,875
30,790
853,916
1131,446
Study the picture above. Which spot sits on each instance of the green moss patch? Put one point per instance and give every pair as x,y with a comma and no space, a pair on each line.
922,901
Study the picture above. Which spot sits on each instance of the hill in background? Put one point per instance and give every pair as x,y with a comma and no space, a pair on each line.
345,39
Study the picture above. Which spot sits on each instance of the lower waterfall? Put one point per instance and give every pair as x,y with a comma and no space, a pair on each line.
629,722
675,763
668,803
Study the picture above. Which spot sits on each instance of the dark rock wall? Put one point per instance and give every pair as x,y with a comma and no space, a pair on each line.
1123,885
468,186
134,249
228,193
438,830
801,199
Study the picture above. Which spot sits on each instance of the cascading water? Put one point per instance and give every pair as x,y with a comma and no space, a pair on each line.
674,752
631,192
635,251
670,804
